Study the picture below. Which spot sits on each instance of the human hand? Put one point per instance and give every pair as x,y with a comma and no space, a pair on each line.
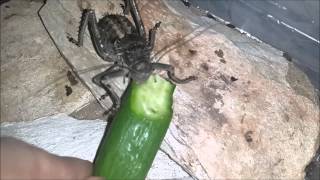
20,160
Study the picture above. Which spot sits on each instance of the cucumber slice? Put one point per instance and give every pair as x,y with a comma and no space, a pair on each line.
131,143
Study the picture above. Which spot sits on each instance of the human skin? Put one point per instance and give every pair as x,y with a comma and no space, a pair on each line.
20,160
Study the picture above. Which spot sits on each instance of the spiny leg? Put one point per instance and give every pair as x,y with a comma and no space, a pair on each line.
89,20
82,27
170,72
152,34
111,72
136,17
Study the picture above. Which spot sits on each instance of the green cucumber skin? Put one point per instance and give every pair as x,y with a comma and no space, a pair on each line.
133,139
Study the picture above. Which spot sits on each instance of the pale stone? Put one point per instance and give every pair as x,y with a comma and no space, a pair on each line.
65,136
33,73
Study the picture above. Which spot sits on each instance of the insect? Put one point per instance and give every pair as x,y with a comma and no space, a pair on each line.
126,45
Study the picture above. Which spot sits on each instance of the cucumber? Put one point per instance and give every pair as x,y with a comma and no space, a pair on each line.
137,130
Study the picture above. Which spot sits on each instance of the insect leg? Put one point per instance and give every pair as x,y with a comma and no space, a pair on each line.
136,17
111,72
152,34
170,72
82,28
89,19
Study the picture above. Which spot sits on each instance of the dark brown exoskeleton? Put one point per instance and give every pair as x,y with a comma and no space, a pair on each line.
117,40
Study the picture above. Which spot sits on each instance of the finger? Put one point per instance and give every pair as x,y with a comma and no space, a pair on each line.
35,163
58,167
78,168
19,160
95,178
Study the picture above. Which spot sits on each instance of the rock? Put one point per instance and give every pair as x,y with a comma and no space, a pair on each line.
33,73
247,116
